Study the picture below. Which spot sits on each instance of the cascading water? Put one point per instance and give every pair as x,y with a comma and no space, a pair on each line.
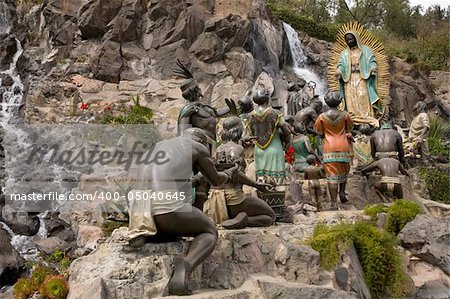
12,100
299,60
5,18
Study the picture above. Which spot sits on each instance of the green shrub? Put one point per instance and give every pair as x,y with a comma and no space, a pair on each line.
439,127
437,182
23,288
373,210
400,213
381,263
135,114
54,287
437,147
326,32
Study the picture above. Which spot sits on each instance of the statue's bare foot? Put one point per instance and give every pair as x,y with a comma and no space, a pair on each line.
138,241
238,222
178,282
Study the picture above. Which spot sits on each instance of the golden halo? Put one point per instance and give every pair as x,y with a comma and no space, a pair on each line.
367,39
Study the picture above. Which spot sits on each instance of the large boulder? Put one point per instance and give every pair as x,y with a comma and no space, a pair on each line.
95,15
144,272
429,239
108,62
208,47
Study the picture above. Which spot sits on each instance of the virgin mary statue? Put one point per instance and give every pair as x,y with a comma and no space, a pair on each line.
359,70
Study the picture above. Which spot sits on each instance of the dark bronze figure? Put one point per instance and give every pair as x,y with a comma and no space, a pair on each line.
175,216
390,184
242,210
387,142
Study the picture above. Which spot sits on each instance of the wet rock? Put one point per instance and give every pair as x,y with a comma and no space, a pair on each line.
429,239
21,223
10,260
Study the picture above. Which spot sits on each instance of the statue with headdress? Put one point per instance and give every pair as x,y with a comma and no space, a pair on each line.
196,113
359,70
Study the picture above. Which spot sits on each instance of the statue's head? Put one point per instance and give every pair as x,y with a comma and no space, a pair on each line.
299,128
333,99
387,124
365,129
196,134
190,90
246,104
232,129
350,39
420,106
311,159
261,96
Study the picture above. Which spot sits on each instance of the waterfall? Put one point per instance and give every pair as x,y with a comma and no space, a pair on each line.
12,100
299,59
5,18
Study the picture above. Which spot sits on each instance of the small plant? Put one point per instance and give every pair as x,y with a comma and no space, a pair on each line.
64,264
55,257
400,213
439,127
374,210
23,288
383,269
38,276
437,182
54,287
109,226
135,114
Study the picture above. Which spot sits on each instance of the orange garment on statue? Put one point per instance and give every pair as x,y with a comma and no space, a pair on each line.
337,148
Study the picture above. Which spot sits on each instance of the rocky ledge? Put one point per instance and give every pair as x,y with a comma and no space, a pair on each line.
115,270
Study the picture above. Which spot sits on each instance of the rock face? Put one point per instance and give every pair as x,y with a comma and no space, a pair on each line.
429,239
10,260
144,273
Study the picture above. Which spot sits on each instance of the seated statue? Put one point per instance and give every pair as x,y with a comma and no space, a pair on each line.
362,147
387,142
390,184
313,173
303,148
168,210
228,200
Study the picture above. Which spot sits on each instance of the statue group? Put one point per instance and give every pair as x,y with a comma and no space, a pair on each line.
321,139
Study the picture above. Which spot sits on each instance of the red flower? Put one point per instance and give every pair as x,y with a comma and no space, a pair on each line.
290,155
108,108
84,106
